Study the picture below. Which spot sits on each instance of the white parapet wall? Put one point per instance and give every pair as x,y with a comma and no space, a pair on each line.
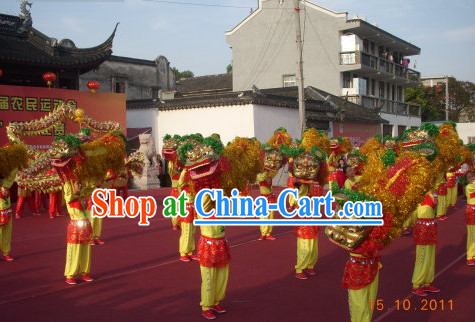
466,131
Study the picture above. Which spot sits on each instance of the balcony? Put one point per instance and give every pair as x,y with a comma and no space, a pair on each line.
378,68
387,106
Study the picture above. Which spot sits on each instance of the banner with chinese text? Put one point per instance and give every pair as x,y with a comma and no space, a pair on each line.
23,103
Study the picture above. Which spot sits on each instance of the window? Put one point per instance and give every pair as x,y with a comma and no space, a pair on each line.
289,80
381,89
373,85
367,86
387,130
400,130
347,80
471,139
118,85
366,45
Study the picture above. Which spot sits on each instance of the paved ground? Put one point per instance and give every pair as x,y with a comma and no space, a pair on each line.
139,277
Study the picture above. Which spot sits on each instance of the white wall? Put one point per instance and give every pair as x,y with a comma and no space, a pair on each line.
227,121
144,117
267,119
465,130
396,120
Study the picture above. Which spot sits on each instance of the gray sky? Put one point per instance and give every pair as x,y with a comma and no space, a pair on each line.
192,37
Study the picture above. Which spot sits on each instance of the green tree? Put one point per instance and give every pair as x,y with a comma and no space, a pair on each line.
184,74
420,95
229,68
432,99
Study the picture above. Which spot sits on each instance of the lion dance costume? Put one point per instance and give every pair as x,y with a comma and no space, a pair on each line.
309,170
272,162
207,164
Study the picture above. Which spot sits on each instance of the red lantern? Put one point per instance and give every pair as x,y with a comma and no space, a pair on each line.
49,78
1,72
93,85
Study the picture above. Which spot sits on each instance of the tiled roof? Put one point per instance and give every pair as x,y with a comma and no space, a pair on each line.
352,111
319,104
31,47
204,84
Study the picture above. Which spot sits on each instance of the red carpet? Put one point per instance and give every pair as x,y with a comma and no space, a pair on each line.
139,278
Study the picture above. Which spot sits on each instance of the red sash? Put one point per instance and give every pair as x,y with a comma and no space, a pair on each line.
451,181
266,183
360,272
76,204
332,176
79,232
425,231
428,201
174,192
442,190
213,252
306,232
271,198
5,216
470,215
191,214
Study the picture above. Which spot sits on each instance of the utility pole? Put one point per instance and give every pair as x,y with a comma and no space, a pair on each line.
301,88
446,98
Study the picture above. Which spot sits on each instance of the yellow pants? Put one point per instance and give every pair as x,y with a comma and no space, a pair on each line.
424,267
214,282
187,239
451,196
441,205
6,237
361,300
470,242
78,259
174,221
96,224
267,230
307,254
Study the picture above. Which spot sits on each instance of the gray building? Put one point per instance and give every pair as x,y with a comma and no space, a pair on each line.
345,57
137,78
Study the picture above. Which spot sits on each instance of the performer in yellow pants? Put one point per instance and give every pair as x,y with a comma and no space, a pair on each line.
174,172
470,218
361,278
96,223
307,243
425,237
451,189
214,257
79,234
6,216
187,237
265,188
307,250
442,199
